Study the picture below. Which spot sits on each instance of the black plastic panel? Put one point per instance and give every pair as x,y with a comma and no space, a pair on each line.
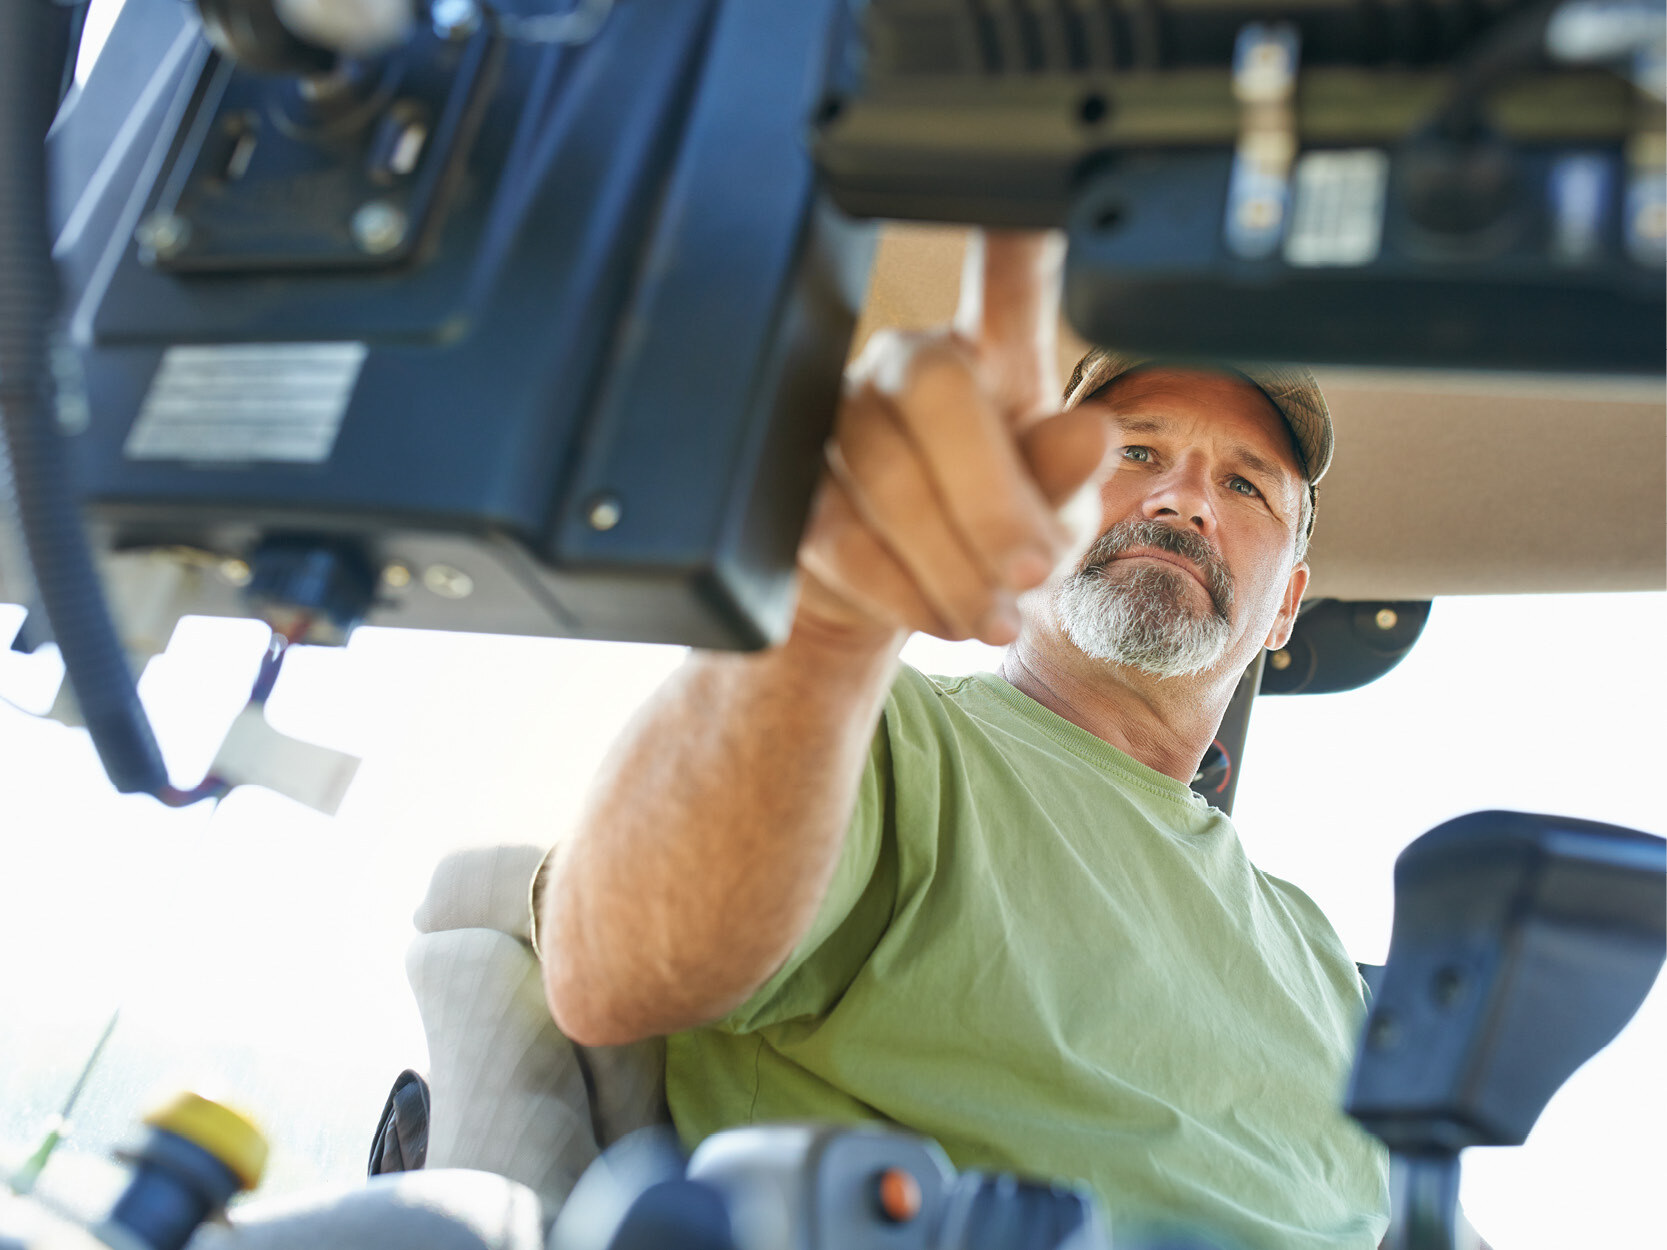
1522,944
631,292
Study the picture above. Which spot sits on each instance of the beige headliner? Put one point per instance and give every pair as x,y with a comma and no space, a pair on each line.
1443,484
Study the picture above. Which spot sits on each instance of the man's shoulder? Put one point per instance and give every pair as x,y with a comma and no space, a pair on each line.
966,714
913,683
1319,935
989,714
1005,751
1295,899
932,703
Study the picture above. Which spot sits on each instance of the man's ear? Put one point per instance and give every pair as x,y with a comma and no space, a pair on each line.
1280,634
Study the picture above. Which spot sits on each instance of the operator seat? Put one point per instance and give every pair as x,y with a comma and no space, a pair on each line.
508,1092
511,1123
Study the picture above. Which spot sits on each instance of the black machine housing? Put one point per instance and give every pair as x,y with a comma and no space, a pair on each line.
567,360
545,339
1404,184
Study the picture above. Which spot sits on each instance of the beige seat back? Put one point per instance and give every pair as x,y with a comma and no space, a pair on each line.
509,1094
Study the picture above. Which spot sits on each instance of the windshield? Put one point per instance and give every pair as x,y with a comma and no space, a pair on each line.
257,950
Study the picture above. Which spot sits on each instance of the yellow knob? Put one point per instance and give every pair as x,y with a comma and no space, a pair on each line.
228,1135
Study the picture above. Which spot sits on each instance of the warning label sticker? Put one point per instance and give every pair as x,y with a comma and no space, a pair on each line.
1337,208
244,402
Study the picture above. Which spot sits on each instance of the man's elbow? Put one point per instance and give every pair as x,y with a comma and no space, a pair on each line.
585,1001
587,1017
611,1009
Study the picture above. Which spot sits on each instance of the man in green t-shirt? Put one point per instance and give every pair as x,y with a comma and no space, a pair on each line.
1000,918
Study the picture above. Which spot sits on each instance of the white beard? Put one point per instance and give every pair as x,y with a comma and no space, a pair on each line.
1145,617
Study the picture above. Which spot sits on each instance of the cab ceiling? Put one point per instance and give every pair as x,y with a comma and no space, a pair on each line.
1443,484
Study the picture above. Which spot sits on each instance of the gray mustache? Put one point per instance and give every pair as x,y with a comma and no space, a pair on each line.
1127,535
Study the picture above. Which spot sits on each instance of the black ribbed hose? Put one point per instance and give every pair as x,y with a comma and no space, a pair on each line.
66,579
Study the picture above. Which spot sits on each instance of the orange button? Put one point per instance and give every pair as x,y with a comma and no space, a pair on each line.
899,1195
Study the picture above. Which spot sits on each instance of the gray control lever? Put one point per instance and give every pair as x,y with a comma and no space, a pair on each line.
1522,945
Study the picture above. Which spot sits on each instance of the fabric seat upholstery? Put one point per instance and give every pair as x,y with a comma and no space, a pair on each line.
509,1093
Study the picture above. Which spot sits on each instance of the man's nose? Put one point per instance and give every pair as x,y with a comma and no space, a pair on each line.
1182,496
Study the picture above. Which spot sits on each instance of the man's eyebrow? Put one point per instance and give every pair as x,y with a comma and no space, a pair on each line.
1139,425
1259,463
1248,456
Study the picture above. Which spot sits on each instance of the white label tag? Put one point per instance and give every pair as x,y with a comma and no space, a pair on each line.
244,402
1337,208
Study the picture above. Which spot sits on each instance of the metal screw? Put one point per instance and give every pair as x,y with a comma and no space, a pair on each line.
455,19
378,227
447,582
74,412
396,576
163,233
1281,660
605,512
1449,986
236,572
1386,618
1384,1033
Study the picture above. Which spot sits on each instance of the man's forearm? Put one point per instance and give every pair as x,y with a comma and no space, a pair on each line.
717,824
710,838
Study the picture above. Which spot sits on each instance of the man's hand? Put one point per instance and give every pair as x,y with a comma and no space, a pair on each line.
950,466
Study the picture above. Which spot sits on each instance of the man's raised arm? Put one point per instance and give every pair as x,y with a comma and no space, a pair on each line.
714,829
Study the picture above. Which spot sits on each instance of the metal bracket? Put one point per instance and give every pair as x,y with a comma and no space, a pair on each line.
1264,83
150,590
347,170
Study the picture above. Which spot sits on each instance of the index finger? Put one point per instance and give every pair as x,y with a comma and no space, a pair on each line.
1009,310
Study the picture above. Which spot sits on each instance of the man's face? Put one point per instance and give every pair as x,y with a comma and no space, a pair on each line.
1195,566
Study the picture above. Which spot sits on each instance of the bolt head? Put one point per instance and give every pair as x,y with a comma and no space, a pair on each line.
379,227
455,19
236,572
163,233
396,576
1281,659
605,513
1387,618
447,582
1449,986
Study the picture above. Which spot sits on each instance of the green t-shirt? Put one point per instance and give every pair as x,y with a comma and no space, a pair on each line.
1059,962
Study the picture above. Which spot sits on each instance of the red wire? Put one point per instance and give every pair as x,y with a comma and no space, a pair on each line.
1228,775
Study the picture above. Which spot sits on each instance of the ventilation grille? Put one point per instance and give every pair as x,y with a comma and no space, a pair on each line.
931,38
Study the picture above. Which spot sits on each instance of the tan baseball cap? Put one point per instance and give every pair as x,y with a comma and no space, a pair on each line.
1290,388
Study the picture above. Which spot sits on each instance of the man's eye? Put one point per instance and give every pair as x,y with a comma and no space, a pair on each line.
1242,486
1141,455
